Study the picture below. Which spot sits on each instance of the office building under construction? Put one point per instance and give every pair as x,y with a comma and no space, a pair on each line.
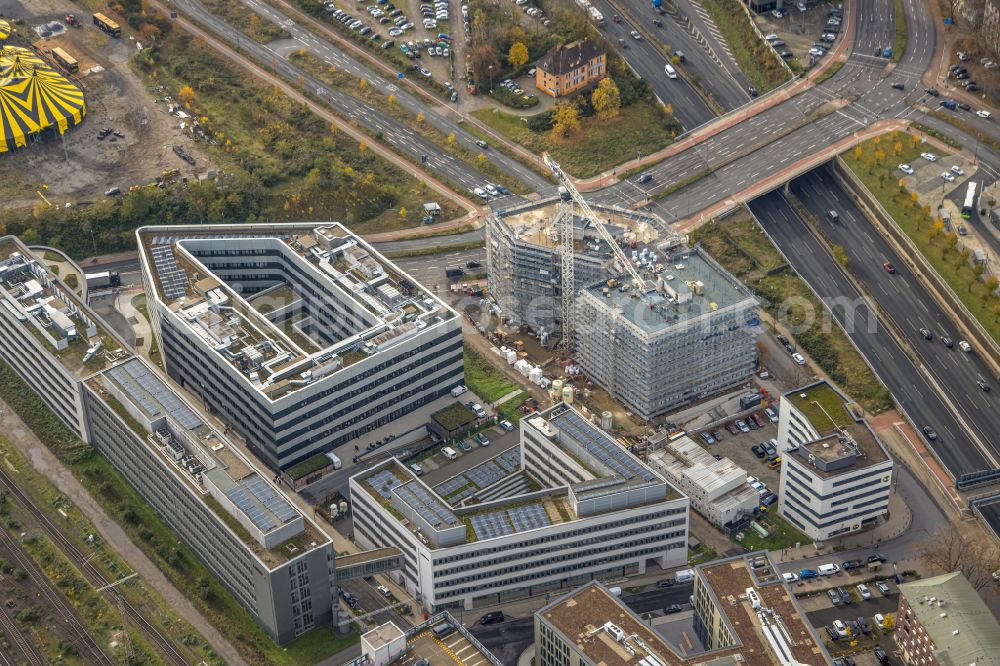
690,332
524,260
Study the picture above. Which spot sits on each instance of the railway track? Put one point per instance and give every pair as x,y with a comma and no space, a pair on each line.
76,631
26,648
165,648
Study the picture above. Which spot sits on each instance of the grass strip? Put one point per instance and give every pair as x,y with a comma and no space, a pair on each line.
600,145
436,249
899,42
756,59
363,90
484,379
148,531
830,72
737,243
940,247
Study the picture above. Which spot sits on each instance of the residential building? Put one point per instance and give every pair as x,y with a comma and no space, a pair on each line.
717,489
524,261
592,627
942,621
570,67
836,476
301,337
275,561
600,513
691,333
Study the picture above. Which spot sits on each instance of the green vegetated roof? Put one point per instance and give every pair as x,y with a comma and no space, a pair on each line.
454,416
308,466
822,405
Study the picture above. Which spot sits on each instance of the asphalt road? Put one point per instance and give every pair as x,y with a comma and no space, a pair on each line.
403,139
905,301
647,60
877,342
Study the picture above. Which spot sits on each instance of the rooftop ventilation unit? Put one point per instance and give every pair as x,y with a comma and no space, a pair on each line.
615,631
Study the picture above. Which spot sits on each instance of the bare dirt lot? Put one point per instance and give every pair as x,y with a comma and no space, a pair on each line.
86,166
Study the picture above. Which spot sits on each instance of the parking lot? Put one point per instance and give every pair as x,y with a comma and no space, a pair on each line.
800,30
838,619
446,652
739,449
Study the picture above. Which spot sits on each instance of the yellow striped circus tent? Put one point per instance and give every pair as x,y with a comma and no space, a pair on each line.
4,29
35,101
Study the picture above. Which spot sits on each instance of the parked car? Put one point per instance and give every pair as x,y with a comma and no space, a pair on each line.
482,439
493,617
790,577
864,591
806,574
906,168
384,591
465,446
666,582
799,358
883,587
841,628
672,608
742,425
850,565
877,557
772,415
751,423
506,425
757,451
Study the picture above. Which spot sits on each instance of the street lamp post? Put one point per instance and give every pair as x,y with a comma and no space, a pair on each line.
491,78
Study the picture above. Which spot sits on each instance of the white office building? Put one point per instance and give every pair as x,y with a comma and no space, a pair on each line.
601,514
301,337
836,476
717,488
274,560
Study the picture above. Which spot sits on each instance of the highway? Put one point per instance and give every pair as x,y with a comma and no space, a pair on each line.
904,300
647,60
876,342
403,139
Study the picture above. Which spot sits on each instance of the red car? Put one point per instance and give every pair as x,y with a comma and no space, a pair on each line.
889,268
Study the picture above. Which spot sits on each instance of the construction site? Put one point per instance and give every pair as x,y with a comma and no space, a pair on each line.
616,302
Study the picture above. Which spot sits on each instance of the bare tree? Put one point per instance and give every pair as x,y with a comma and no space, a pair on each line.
949,549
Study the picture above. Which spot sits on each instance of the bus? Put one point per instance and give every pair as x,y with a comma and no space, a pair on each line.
107,25
970,201
66,60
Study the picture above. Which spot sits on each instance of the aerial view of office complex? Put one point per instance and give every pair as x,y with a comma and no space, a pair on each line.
500,332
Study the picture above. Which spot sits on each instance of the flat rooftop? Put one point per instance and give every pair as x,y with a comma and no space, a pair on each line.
328,273
534,223
500,518
845,442
678,289
53,314
683,457
728,581
196,452
582,616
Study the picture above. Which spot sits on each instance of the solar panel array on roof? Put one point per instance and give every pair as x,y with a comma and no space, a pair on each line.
529,517
384,482
491,525
173,280
243,502
277,504
123,379
430,508
480,476
141,376
510,459
600,446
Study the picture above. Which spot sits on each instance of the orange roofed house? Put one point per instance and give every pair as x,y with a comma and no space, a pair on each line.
566,69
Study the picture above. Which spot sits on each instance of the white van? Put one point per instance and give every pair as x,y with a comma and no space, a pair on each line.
449,453
335,459
458,390
684,576
671,72
828,569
